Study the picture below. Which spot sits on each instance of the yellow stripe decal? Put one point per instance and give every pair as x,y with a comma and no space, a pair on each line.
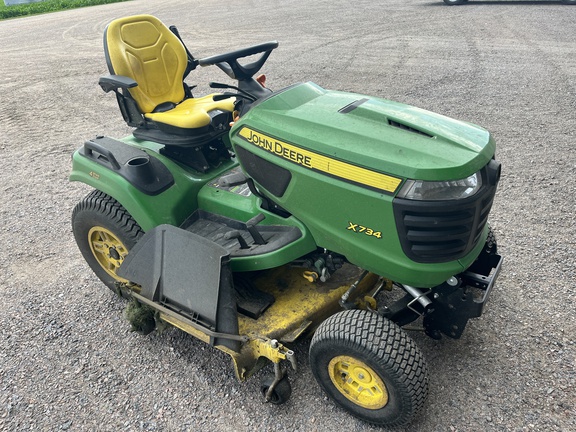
321,163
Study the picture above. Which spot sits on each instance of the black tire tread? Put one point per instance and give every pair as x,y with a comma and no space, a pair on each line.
103,203
491,243
99,208
384,339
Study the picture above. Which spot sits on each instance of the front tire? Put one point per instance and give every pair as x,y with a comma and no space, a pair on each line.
105,232
370,367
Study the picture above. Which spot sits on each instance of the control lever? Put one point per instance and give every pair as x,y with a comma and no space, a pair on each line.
236,235
251,227
216,85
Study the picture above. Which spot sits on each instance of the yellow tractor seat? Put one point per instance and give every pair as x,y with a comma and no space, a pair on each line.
148,63
191,113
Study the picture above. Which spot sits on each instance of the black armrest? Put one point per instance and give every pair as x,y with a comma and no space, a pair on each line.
114,82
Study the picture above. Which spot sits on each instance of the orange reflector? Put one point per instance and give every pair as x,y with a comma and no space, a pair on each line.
262,80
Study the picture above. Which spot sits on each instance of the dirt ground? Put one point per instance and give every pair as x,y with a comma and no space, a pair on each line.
68,360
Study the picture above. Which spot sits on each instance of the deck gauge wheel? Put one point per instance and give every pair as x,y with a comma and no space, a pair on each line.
281,392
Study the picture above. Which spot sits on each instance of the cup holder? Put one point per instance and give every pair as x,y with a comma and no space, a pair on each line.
138,161
141,168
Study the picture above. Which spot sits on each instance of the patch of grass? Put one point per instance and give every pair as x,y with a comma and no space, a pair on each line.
47,6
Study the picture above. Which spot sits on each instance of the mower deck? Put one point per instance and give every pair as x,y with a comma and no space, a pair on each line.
299,307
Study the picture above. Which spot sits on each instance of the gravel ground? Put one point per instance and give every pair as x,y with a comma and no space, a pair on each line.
67,358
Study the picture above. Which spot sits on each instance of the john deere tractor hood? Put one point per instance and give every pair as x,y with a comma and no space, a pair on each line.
377,134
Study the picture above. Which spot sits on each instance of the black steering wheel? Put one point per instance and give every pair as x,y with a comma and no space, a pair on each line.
228,62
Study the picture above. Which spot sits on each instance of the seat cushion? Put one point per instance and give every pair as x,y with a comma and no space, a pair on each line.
192,113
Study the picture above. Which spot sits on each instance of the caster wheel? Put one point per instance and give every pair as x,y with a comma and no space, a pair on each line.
281,392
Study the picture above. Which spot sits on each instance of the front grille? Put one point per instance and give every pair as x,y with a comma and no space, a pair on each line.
442,231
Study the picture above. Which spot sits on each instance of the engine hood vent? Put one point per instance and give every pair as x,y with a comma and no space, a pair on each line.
408,128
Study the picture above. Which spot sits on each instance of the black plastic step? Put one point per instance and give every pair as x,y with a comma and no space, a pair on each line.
225,231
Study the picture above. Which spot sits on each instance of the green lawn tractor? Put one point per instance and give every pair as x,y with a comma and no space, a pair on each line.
250,218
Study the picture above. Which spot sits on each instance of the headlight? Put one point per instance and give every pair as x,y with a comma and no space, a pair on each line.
441,190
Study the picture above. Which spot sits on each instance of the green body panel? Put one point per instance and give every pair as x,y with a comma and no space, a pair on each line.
191,191
309,117
350,218
172,206
329,207
243,208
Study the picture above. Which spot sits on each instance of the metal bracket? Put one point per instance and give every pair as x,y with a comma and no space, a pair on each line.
187,321
454,306
276,352
420,297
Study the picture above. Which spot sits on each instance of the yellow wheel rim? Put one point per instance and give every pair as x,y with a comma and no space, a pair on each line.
358,382
108,250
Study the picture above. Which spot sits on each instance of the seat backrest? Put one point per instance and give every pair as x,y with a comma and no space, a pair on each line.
143,48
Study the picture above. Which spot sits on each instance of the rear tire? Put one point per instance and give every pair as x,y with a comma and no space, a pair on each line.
370,367
105,232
